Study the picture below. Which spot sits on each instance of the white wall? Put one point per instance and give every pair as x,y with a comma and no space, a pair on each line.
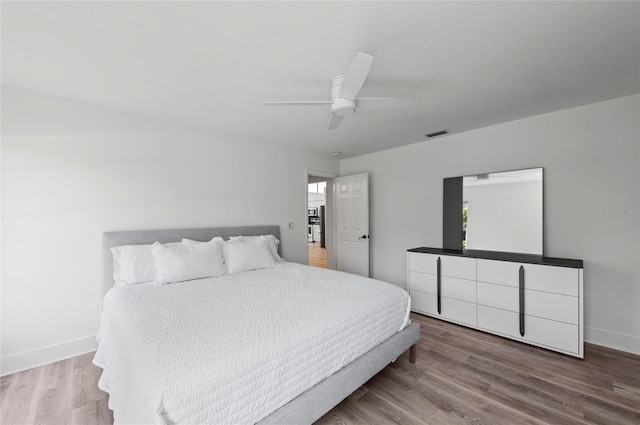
505,217
71,171
315,200
591,160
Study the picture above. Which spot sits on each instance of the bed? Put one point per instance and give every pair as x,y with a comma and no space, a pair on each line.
283,344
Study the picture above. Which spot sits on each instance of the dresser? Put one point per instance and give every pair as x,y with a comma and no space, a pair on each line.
529,298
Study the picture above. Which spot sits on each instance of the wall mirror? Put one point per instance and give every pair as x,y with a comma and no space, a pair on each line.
499,211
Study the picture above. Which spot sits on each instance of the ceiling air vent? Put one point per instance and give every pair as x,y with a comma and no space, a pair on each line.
438,133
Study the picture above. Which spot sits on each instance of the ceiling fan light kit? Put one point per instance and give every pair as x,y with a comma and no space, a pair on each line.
344,91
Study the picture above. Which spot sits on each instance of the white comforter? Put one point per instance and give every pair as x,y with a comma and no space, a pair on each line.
233,349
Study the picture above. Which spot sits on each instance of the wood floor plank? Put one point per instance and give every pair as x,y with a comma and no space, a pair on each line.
20,402
460,377
317,255
449,395
92,412
373,409
84,382
56,394
5,384
519,390
50,410
398,387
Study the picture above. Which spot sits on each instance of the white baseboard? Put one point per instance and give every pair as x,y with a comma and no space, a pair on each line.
618,341
46,355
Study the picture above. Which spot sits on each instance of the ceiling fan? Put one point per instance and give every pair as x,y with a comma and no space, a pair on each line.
344,91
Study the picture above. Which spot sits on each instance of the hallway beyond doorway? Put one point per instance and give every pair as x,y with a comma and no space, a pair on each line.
317,255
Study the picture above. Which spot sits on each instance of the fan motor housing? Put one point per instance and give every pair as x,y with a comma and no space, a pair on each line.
340,106
343,107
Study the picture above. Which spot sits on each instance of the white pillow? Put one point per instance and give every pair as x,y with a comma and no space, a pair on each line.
250,255
194,242
132,264
180,262
272,241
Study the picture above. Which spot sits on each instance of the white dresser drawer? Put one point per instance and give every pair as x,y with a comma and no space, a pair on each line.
463,268
550,333
538,331
562,308
458,311
500,272
459,289
424,282
454,310
558,280
423,302
425,263
499,296
452,266
500,321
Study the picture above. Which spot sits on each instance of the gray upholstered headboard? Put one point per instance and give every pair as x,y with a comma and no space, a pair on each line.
144,237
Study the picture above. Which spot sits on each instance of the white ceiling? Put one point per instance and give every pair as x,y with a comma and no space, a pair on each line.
212,64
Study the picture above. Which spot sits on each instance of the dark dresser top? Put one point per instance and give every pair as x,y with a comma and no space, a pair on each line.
502,256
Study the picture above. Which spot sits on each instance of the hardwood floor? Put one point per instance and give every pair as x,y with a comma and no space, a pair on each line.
461,376
65,392
317,255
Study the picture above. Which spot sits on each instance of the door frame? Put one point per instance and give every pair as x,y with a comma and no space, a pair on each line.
331,250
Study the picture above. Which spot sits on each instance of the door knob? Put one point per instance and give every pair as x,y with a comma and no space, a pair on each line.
364,237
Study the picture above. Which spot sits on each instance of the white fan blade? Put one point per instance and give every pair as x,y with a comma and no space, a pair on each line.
356,74
334,121
385,103
299,102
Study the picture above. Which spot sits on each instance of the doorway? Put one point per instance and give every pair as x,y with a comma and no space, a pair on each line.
352,223
320,221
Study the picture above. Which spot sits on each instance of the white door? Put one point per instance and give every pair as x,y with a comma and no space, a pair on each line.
352,206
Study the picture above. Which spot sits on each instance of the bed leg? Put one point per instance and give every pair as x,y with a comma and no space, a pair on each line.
412,354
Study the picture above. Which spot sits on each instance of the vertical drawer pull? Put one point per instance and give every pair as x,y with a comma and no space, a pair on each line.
438,284
521,290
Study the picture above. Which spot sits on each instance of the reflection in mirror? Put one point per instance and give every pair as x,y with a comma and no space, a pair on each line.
503,211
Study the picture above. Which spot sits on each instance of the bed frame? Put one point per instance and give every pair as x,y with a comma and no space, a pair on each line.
318,400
